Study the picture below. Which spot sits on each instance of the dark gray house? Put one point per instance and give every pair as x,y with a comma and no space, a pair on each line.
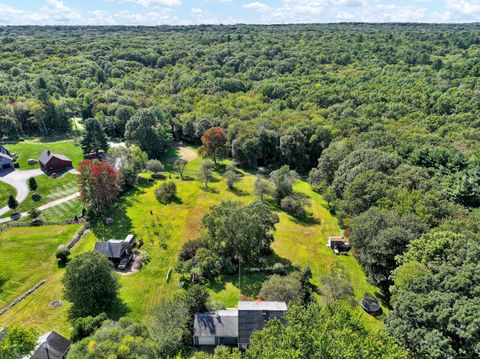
234,326
51,346
254,315
116,249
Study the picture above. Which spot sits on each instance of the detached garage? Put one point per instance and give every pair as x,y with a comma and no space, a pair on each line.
54,162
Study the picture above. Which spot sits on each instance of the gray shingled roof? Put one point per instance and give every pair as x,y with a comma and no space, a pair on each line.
57,347
46,155
4,151
254,305
6,156
222,323
111,248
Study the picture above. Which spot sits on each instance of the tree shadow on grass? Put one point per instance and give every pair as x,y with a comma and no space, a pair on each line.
306,221
250,285
121,223
118,309
238,192
209,189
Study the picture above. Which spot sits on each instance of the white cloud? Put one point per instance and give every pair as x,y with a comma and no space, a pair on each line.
151,3
196,11
259,6
56,12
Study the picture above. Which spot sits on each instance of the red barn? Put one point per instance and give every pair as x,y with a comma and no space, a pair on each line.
54,162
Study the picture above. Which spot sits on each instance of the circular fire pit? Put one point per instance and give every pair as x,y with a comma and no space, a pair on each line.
56,304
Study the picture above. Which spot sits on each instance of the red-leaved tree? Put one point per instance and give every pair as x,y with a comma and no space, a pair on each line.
98,184
214,142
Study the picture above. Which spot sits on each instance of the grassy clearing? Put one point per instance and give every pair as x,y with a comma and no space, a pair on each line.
171,225
32,149
5,191
164,228
28,256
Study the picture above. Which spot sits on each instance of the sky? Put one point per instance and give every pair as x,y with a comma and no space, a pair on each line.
187,12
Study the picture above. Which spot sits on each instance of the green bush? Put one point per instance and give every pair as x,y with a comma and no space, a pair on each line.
62,253
167,192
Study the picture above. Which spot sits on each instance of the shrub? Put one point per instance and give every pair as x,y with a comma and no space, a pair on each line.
295,206
155,166
279,268
167,192
62,253
34,213
283,288
84,327
189,248
141,258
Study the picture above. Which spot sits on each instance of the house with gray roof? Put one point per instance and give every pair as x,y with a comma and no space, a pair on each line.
235,326
51,346
116,249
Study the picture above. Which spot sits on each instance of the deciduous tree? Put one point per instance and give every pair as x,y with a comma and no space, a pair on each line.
90,284
98,184
214,142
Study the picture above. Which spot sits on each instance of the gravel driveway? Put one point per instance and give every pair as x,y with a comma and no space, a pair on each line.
18,179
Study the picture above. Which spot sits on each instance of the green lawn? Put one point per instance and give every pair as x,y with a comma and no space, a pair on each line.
51,189
173,224
28,256
62,212
5,191
164,231
32,149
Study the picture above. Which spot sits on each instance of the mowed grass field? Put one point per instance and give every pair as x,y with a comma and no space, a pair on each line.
5,191
27,257
164,228
32,148
171,225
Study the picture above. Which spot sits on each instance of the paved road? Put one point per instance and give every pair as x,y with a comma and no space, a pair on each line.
18,179
44,207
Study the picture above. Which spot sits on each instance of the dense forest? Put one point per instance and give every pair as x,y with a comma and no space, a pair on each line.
382,119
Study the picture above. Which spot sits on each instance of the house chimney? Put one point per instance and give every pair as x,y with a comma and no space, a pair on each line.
48,152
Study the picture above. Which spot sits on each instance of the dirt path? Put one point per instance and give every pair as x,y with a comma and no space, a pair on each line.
187,153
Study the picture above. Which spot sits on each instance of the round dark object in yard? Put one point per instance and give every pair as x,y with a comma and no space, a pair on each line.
371,306
56,304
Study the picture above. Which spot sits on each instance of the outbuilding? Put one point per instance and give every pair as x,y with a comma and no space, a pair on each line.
50,162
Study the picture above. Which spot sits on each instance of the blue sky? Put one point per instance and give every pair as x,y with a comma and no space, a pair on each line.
182,12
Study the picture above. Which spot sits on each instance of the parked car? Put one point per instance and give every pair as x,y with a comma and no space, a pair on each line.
124,263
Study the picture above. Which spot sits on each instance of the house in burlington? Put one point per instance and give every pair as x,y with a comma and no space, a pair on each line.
116,249
51,346
234,326
50,162
339,244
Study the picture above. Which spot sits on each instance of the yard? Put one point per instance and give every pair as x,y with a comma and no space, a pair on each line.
31,149
51,189
171,225
28,256
163,232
